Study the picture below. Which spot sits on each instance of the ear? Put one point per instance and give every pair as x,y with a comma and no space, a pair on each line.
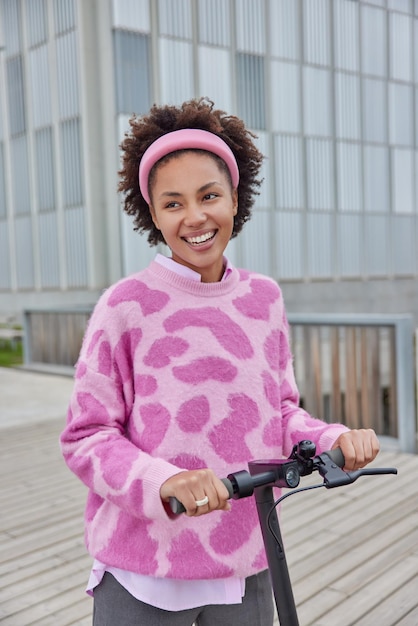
235,201
153,216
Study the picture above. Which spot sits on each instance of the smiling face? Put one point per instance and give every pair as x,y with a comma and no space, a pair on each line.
194,206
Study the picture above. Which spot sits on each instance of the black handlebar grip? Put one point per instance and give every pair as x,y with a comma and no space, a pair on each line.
177,507
337,456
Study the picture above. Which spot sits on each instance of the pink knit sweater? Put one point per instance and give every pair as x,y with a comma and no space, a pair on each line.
176,374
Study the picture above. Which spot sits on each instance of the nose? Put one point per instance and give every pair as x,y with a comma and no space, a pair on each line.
195,215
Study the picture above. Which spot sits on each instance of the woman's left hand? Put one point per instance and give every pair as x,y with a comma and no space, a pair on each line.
359,447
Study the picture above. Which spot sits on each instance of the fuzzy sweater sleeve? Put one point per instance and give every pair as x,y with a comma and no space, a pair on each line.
298,424
94,442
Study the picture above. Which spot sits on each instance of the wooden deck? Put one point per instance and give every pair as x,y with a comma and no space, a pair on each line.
352,552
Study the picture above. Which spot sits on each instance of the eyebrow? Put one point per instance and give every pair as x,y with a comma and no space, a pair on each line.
176,194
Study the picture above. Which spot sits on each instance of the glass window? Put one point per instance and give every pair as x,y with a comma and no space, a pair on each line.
288,172
374,110
15,92
373,41
20,175
214,22
349,169
250,26
316,31
132,72
285,96
251,90
347,105
320,174
317,111
45,171
401,114
376,179
284,28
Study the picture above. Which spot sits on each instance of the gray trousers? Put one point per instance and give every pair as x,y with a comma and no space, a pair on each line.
114,606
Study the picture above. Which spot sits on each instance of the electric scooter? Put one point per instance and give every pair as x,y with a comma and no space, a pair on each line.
286,473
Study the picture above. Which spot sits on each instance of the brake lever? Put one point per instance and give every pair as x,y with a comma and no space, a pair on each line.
334,476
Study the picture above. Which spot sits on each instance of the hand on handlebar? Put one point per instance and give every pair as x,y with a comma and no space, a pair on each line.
359,447
192,488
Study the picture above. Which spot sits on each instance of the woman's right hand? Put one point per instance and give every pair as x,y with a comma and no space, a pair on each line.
194,486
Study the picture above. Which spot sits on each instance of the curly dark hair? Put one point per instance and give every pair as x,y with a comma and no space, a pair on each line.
199,113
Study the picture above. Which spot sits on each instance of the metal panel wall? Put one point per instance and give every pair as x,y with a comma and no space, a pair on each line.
346,35
71,163
349,248
290,236
401,118
3,207
16,95
176,70
11,13
23,246
5,278
68,75
284,31
40,86
45,170
20,175
49,250
250,26
404,246
215,76
214,23
285,103
175,18
377,239
36,21
403,181
65,15
131,14
316,32
75,247
349,177
320,174
132,72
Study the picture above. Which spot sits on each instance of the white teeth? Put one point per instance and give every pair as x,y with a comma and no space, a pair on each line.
201,238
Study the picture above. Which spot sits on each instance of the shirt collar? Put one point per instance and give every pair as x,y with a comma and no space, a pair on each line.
187,272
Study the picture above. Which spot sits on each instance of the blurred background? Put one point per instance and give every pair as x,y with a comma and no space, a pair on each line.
330,88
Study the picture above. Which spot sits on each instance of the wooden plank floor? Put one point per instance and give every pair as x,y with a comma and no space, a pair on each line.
352,552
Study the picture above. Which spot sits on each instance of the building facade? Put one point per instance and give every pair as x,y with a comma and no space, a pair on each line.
330,88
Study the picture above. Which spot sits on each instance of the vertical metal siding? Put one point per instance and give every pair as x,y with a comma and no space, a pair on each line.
264,200
68,75
317,112
403,180
75,247
45,169
214,25
320,245
347,105
71,162
256,241
49,250
215,78
376,234
373,41
400,45
176,71
316,31
36,21
132,14
374,109
401,122
289,174
5,276
175,18
346,35
65,15
285,102
349,249
250,26
3,207
320,174
376,179
284,28
24,252
290,249
20,175
404,246
40,86
349,177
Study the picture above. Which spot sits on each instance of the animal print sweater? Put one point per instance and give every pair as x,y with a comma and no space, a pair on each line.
176,374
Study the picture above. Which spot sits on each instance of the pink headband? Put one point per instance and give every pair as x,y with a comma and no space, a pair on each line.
187,138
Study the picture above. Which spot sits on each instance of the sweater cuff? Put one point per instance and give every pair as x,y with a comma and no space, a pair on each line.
328,438
159,471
